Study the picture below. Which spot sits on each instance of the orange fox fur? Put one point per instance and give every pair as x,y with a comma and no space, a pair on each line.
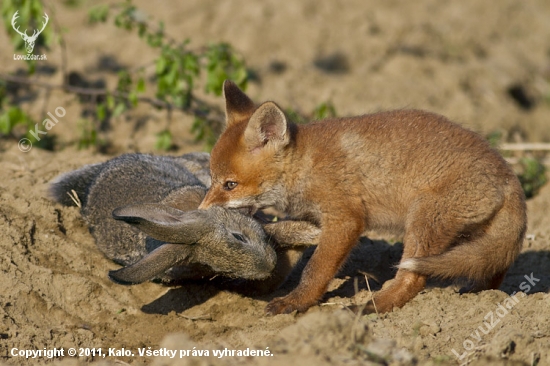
459,205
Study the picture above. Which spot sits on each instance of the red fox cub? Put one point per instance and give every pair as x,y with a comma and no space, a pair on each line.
460,207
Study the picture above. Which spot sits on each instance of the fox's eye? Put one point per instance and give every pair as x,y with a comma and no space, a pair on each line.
229,185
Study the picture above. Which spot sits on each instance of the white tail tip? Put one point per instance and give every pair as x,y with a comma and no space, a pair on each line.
408,264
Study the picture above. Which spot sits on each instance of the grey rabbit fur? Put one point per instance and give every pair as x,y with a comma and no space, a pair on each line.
168,238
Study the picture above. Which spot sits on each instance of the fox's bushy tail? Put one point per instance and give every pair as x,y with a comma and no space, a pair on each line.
489,254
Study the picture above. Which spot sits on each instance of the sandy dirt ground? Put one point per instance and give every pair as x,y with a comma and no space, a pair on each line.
483,64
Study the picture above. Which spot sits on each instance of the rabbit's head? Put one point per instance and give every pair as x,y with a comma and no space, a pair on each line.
227,241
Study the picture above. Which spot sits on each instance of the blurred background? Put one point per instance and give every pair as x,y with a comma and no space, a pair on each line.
146,76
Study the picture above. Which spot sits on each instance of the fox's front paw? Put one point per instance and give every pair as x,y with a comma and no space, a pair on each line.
286,305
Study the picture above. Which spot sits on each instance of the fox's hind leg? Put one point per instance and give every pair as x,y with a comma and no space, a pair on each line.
490,240
428,233
405,286
496,281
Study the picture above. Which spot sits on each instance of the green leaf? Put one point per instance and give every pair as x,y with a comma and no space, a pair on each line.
222,63
324,110
161,65
110,101
133,98
140,86
98,14
142,29
240,77
295,116
191,63
494,138
202,129
124,81
12,117
172,75
101,111
164,140
119,109
5,126
179,100
532,176
88,134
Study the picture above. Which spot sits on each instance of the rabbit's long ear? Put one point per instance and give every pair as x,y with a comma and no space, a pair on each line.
166,223
152,265
185,198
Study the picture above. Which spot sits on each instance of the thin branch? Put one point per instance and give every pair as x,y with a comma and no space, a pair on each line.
62,44
82,91
513,161
207,317
198,110
526,146
45,104
370,292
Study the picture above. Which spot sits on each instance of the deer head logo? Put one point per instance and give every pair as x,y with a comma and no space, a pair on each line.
29,40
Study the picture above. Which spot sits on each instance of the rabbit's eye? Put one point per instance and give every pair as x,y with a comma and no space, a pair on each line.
239,237
229,185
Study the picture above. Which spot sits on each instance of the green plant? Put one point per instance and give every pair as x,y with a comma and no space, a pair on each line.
164,140
529,170
222,63
12,117
321,111
174,74
295,116
88,134
532,176
494,138
176,71
16,123
324,110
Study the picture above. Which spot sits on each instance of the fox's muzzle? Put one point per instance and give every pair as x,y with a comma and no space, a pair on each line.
208,200
204,205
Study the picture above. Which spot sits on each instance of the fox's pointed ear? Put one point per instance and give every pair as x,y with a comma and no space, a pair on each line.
238,105
268,125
